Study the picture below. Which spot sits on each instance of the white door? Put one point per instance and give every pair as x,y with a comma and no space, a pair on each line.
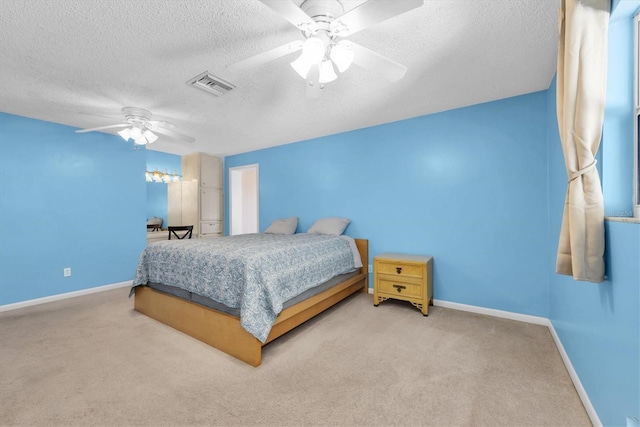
243,199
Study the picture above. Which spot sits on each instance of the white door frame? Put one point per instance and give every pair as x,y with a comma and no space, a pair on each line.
233,183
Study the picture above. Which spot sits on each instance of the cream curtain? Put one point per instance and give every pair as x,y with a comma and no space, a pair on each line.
581,88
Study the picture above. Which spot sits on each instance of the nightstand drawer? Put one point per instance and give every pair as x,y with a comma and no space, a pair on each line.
400,288
400,269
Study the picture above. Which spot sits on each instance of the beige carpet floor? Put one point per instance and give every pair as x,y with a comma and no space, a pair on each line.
92,360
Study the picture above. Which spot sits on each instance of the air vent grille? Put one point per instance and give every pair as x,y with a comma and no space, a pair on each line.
210,83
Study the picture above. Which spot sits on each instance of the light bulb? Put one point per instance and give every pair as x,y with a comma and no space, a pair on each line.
342,54
151,137
313,49
327,74
125,133
302,66
312,53
135,132
141,140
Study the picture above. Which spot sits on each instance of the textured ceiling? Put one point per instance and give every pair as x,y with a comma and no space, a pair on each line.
78,62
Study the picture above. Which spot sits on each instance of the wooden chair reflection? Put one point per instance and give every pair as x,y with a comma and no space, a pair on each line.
177,231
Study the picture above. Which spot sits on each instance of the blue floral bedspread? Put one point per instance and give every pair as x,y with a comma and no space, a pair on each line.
256,273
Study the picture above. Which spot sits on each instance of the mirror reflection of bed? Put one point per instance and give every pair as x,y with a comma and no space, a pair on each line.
155,230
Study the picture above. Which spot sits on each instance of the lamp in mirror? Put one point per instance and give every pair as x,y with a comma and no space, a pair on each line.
166,177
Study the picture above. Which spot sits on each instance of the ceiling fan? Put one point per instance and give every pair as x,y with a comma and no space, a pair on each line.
139,127
323,24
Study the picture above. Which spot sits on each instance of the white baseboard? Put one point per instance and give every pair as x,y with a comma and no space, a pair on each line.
492,312
593,415
66,295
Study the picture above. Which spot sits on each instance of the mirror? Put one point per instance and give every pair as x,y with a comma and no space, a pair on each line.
157,201
157,191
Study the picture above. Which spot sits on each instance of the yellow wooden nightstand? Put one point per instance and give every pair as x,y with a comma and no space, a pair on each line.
403,277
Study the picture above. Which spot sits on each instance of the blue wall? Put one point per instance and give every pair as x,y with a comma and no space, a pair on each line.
599,324
466,186
157,191
67,200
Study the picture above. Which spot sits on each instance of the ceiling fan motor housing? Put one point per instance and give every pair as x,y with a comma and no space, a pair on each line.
322,11
133,114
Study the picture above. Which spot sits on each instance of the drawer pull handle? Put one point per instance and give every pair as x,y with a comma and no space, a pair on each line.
399,288
398,270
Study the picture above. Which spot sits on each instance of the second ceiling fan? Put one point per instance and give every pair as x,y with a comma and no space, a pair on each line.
139,127
324,24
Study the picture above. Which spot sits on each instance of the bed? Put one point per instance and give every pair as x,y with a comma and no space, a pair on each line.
239,293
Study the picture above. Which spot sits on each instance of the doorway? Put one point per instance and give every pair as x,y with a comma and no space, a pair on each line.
243,199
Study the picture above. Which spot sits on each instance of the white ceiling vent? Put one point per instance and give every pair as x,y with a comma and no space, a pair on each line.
211,84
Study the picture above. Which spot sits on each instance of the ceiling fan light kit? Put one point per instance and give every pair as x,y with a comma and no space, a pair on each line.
139,136
323,23
141,129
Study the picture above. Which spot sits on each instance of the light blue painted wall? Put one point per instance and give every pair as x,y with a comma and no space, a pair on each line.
66,200
466,186
599,324
157,191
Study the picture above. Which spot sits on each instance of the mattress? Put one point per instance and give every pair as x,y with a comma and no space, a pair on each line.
208,302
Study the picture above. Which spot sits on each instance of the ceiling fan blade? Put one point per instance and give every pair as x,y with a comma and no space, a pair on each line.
385,67
313,82
174,135
154,124
268,56
370,13
121,125
293,14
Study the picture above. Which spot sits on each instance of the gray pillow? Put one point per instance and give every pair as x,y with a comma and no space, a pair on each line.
283,226
330,226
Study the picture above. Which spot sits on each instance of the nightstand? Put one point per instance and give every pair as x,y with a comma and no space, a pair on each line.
403,277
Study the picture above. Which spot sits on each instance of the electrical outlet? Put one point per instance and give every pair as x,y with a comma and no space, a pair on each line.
67,272
370,268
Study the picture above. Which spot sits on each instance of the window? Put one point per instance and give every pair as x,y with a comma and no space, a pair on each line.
636,132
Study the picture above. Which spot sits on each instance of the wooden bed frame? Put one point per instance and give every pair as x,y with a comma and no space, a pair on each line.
224,332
